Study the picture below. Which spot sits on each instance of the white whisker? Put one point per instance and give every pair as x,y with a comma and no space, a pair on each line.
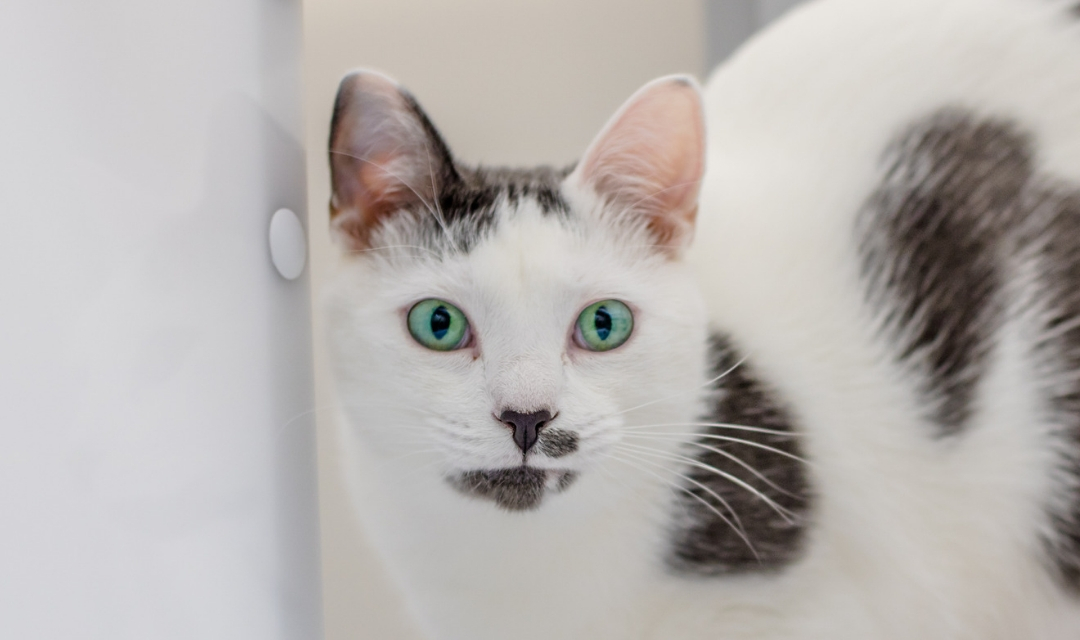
679,395
711,436
395,246
786,514
719,425
441,217
739,530
734,458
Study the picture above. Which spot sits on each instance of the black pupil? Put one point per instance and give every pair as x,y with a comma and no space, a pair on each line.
440,322
602,322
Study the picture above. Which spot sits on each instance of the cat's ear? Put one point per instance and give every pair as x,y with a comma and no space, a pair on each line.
649,159
385,157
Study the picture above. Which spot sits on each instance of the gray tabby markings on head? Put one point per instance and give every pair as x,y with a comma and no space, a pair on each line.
470,204
960,209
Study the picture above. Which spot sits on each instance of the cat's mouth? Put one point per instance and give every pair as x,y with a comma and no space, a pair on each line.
513,488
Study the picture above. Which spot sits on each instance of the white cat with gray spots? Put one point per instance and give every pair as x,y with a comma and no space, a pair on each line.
809,371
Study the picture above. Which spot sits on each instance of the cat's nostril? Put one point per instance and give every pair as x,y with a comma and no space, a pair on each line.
526,426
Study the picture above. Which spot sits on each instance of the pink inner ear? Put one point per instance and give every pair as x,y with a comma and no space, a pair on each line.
650,158
380,156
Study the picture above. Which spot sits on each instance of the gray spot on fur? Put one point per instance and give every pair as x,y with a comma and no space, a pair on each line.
932,249
566,479
1052,238
557,443
961,208
515,488
702,542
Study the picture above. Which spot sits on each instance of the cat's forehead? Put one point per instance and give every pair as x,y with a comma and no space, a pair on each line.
479,201
533,257
539,185
512,232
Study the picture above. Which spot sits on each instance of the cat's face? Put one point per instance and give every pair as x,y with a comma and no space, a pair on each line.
508,325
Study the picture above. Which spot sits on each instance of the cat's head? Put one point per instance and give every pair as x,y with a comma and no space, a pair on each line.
510,324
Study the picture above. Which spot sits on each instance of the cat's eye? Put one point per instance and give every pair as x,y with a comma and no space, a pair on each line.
438,325
604,325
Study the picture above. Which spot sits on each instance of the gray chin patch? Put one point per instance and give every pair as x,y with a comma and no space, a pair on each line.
515,488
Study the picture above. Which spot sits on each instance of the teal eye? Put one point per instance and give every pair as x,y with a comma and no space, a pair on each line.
604,325
438,325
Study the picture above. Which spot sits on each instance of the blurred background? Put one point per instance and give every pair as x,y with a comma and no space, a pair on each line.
524,82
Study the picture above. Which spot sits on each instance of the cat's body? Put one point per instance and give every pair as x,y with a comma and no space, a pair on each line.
887,260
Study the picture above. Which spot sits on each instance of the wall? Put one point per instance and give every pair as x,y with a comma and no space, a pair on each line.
157,472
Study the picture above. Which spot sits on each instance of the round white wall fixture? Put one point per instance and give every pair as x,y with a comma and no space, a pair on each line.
288,245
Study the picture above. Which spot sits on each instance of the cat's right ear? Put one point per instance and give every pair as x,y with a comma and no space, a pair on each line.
385,157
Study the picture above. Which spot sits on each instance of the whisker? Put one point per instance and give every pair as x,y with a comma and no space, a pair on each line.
719,425
703,487
395,246
418,470
786,514
414,452
441,218
727,505
736,459
739,530
683,393
391,405
711,436
338,404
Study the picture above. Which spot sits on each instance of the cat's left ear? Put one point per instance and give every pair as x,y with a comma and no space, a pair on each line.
649,159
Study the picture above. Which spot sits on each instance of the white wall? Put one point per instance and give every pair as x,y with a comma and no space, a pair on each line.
507,83
157,471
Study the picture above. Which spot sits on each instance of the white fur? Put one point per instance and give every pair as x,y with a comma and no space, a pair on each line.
912,537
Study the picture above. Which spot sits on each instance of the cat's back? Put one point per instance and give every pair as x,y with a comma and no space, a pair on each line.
802,118
890,230
876,163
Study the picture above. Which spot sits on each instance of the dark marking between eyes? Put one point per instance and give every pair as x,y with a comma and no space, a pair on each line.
468,203
932,241
702,543
513,489
556,443
468,199
959,210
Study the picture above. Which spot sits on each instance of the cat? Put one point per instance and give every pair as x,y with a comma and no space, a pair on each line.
811,371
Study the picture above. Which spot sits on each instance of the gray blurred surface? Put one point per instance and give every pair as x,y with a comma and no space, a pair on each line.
728,23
